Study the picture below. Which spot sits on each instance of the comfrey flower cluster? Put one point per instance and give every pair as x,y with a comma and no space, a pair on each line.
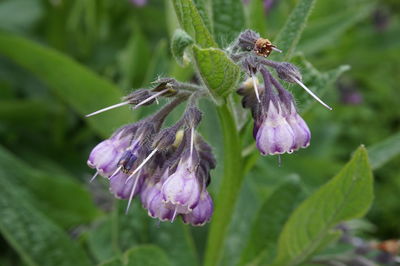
169,167
278,127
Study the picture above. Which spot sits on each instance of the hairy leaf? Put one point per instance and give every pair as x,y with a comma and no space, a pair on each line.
192,22
217,71
347,196
75,84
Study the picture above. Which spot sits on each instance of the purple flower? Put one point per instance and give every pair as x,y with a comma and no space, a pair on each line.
275,135
181,190
122,187
105,156
302,134
202,212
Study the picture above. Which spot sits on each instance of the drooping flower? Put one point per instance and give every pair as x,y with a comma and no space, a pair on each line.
202,212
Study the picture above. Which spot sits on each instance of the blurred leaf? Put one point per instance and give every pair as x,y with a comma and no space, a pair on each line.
78,86
52,195
256,17
228,19
16,15
159,63
180,41
38,241
145,255
176,239
268,225
290,34
191,21
318,82
347,196
325,32
217,71
134,61
384,151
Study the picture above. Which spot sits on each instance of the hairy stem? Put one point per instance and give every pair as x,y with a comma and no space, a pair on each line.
230,187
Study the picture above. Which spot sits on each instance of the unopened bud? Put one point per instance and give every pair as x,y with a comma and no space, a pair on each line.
288,72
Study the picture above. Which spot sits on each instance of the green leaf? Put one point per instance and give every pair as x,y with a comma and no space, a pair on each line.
269,222
384,151
17,15
228,19
318,82
49,193
192,22
37,240
146,255
325,32
204,8
290,34
217,71
347,196
256,18
180,41
75,84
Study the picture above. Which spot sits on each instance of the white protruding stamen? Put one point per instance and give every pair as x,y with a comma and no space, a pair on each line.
279,160
150,98
142,164
174,215
108,108
310,92
115,172
254,79
276,49
94,177
131,195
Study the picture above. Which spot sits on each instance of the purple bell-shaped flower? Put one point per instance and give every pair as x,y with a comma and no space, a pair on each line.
202,212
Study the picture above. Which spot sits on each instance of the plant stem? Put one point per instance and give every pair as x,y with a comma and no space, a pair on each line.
230,187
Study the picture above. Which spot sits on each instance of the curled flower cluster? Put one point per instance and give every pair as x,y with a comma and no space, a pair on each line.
168,168
278,127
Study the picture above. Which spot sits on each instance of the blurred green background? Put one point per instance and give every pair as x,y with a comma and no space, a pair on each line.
45,139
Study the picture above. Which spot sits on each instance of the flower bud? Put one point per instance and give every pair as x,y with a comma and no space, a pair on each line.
202,212
105,156
138,96
247,40
122,187
287,71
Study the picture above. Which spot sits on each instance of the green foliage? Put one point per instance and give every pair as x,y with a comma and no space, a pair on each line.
36,239
180,41
384,151
49,194
347,196
75,84
229,20
217,71
141,255
192,22
289,35
271,217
